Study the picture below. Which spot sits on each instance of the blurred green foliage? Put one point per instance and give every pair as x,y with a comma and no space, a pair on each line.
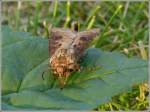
123,25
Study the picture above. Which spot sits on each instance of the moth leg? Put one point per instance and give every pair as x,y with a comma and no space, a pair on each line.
43,75
44,72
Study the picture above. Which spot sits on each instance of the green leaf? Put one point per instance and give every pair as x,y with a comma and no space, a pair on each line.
25,58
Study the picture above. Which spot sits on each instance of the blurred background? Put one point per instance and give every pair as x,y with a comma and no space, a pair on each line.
123,25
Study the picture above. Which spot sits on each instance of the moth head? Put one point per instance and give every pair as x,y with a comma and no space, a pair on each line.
58,38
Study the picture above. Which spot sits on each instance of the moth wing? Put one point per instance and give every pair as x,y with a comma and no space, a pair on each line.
83,39
58,37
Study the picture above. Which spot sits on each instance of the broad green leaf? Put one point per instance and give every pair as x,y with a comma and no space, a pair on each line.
25,58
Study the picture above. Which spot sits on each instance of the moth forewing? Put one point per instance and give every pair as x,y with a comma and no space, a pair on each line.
66,47
82,41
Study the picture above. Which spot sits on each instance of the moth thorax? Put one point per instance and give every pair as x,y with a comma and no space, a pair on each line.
63,63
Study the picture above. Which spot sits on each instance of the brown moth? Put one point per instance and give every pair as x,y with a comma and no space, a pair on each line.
66,47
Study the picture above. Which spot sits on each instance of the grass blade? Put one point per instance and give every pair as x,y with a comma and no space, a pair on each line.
93,12
18,14
100,40
68,14
91,23
55,8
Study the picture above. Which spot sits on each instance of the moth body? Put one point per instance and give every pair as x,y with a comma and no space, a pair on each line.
66,48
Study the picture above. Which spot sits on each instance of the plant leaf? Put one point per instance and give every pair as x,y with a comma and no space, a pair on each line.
25,58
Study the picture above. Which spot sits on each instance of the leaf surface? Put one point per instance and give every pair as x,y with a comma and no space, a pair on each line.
25,58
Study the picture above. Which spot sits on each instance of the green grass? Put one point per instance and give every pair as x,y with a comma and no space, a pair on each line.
123,25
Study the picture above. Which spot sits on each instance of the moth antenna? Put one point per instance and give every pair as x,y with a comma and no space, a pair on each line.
43,75
44,72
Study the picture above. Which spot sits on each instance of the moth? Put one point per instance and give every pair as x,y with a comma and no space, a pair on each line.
66,47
